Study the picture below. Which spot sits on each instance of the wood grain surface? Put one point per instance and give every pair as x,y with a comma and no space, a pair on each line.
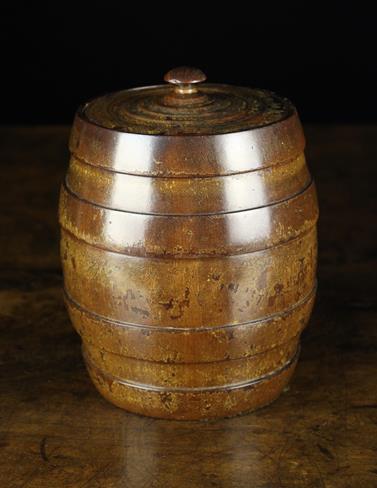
57,431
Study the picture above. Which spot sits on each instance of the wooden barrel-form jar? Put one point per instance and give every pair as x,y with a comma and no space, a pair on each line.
188,244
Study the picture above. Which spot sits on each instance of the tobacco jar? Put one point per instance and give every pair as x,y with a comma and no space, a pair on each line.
188,243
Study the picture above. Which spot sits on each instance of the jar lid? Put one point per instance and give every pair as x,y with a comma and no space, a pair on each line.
183,129
187,106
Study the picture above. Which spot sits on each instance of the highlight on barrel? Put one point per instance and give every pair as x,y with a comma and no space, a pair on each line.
188,242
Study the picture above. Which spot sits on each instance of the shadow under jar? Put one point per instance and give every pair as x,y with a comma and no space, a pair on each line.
188,242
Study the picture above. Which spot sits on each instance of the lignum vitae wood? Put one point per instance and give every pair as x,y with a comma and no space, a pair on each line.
189,246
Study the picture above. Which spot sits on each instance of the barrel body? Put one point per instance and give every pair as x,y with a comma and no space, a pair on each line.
189,265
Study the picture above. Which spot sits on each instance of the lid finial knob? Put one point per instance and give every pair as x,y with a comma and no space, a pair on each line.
185,79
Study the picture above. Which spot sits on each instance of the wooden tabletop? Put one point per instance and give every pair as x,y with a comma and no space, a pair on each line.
56,430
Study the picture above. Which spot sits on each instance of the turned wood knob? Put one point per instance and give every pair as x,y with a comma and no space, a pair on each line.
185,79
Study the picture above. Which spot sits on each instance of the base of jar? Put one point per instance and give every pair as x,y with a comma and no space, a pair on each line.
192,403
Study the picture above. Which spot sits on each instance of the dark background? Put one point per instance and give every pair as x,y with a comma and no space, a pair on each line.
58,55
